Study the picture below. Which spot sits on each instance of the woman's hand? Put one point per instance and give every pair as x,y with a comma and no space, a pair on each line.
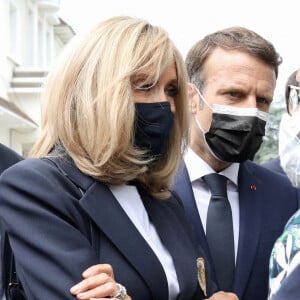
98,283
223,296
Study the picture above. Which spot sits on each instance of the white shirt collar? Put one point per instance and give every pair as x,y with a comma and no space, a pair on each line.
197,168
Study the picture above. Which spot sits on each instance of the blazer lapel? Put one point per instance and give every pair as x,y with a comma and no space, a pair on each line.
250,202
166,223
183,188
106,212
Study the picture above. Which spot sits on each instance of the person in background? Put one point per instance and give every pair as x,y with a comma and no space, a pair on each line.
91,214
292,87
8,157
285,257
288,140
233,75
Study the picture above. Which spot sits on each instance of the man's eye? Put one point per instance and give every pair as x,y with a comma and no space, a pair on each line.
234,94
262,100
172,91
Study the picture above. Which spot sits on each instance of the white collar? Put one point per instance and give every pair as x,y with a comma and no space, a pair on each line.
197,167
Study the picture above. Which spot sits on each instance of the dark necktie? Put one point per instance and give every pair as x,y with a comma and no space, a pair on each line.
219,230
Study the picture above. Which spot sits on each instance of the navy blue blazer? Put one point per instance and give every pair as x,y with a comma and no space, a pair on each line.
56,232
266,200
8,157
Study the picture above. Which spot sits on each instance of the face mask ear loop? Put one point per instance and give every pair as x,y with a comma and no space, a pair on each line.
203,133
203,99
196,117
206,103
198,124
200,127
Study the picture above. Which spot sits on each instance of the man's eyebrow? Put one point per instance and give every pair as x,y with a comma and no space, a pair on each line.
232,88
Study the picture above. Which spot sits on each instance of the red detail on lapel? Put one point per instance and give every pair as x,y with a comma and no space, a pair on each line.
253,187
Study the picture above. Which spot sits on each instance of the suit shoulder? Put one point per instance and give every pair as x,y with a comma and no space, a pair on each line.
267,175
37,182
274,165
33,173
9,152
30,165
8,157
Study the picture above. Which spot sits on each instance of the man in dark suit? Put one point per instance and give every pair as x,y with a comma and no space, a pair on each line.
233,75
8,157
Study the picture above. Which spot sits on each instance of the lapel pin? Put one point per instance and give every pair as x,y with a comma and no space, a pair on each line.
201,275
253,187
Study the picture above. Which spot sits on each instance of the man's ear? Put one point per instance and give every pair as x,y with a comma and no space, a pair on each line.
193,98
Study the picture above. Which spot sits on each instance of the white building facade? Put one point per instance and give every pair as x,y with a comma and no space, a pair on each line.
31,35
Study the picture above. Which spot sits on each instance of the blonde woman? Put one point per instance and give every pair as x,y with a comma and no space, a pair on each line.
96,192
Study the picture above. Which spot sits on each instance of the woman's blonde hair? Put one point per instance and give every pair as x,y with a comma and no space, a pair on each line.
89,111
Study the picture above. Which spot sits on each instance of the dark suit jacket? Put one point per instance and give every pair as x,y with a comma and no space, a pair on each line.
274,165
8,157
264,210
56,233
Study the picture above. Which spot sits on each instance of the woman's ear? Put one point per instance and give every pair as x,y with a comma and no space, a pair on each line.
193,98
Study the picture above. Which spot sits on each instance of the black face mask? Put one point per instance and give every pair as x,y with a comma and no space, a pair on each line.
235,135
154,122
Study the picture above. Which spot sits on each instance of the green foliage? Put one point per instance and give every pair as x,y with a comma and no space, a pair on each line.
269,147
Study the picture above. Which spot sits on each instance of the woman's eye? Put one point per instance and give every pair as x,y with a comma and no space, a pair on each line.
172,91
146,87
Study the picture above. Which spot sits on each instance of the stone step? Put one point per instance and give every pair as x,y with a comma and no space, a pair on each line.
29,72
24,90
28,82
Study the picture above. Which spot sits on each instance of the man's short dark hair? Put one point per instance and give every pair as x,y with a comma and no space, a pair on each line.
233,38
